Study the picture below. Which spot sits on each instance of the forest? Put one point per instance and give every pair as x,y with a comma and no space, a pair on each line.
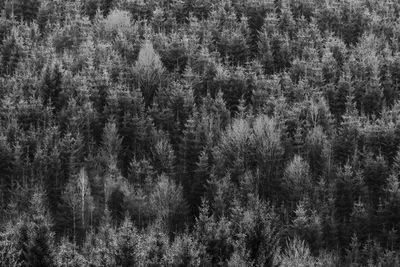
199,133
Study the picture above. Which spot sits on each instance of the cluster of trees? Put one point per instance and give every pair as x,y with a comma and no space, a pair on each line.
199,133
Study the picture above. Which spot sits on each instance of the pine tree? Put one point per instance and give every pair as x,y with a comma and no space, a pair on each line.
7,168
375,173
372,100
344,143
35,237
286,22
172,108
52,86
12,51
190,149
390,216
317,147
338,103
198,186
265,51
350,186
184,251
256,12
233,45
215,235
360,221
111,146
262,233
101,247
155,245
396,164
353,253
23,9
70,155
9,254
134,126
127,245
116,201
307,226
99,85
68,255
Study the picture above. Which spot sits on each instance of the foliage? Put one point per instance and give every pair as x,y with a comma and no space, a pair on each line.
148,71
199,133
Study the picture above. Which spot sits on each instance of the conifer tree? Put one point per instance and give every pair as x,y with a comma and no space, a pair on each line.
111,146
215,235
350,187
134,127
12,51
256,12
101,247
317,147
262,233
127,245
35,239
307,226
337,102
7,165
190,149
9,254
184,251
23,9
142,109
198,185
392,205
155,245
375,173
68,255
52,86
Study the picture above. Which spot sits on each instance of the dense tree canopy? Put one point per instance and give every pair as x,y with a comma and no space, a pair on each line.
199,133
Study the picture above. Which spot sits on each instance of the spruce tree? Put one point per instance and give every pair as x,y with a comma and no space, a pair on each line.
34,234
127,245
